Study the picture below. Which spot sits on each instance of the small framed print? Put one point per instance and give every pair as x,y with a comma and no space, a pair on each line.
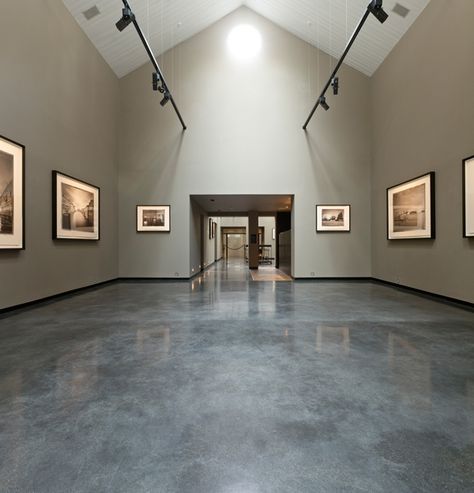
210,228
468,197
214,229
76,209
411,209
153,219
12,195
333,218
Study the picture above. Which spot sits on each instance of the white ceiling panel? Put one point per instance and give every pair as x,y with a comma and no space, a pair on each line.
326,24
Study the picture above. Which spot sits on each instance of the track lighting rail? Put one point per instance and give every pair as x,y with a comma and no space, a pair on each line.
375,8
128,17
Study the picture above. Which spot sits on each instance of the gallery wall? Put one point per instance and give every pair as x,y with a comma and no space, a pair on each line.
245,137
423,120
58,98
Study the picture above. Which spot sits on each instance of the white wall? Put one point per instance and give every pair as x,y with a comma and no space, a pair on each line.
244,137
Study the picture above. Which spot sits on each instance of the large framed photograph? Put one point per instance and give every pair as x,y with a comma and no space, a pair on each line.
12,195
468,197
411,209
76,209
153,218
333,218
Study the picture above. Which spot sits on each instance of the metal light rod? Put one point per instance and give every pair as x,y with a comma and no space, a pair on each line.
369,10
155,64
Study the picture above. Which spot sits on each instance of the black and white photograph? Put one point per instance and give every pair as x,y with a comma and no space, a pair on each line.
333,218
75,209
153,218
11,195
410,209
468,197
210,228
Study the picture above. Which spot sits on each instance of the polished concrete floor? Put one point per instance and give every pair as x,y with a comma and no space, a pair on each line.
225,385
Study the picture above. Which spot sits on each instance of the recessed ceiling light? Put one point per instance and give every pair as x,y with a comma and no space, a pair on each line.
244,42
91,13
401,10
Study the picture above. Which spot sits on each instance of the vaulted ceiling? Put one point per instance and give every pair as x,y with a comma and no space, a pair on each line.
326,24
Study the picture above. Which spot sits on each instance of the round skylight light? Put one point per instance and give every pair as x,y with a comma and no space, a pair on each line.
244,42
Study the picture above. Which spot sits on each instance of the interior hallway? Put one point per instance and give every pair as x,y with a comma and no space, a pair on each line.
227,385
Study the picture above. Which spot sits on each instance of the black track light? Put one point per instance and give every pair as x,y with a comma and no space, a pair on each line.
375,7
127,18
322,102
165,99
335,85
156,79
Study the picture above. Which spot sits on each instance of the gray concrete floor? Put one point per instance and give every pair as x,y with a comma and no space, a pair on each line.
231,386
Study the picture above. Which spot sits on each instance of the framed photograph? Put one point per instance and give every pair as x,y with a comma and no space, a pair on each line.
333,218
214,229
468,197
411,209
153,219
12,195
76,208
210,228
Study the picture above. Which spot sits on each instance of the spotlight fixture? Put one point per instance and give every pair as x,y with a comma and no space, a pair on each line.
335,85
375,7
165,99
322,102
156,79
127,18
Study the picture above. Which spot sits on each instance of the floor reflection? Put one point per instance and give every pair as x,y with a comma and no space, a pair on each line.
77,374
333,339
411,369
153,343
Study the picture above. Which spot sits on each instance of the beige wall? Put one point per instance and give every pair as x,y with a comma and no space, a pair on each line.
59,99
423,120
245,137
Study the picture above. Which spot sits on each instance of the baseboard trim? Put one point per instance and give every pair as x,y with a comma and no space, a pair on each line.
333,279
55,297
427,294
152,279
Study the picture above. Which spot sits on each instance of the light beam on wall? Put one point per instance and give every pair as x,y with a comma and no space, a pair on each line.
244,42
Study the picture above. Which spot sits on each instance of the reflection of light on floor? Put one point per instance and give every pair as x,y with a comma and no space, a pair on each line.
470,407
332,339
76,374
154,342
13,429
412,371
242,488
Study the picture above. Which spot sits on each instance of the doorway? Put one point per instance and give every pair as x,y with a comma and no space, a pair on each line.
252,229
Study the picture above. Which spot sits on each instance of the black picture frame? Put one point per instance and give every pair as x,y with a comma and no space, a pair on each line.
427,233
466,215
14,240
57,229
141,228
344,228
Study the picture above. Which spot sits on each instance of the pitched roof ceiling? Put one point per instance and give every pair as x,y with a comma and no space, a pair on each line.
326,24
